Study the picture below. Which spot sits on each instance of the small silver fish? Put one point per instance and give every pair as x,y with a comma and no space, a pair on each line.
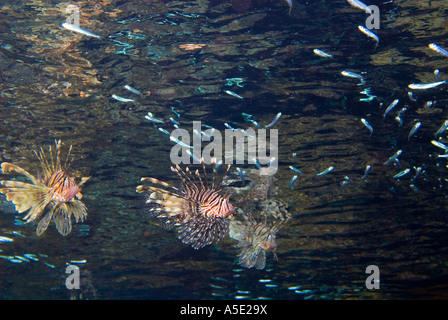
370,34
11,259
242,175
440,145
291,183
394,157
351,74
360,5
174,121
411,96
329,169
290,5
413,187
425,86
322,53
345,181
228,126
402,173
275,120
390,107
233,94
5,239
78,261
414,129
442,128
367,124
402,111
436,73
129,88
164,131
295,169
198,134
77,29
150,117
366,172
369,98
256,163
398,117
182,144
418,172
428,104
121,99
438,49
31,256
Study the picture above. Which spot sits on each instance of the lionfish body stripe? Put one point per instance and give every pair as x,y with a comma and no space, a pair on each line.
197,208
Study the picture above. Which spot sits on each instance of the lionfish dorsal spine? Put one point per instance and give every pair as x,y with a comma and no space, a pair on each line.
205,173
189,184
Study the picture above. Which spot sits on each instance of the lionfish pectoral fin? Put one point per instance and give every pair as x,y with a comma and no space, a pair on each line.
37,209
23,195
78,209
159,182
43,223
63,220
9,167
143,188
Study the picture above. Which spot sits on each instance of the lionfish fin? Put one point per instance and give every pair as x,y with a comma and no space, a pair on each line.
23,195
157,181
62,220
37,209
83,180
199,231
205,173
44,223
219,185
213,160
187,181
9,167
66,163
199,179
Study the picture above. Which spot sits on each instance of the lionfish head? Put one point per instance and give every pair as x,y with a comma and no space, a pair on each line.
269,244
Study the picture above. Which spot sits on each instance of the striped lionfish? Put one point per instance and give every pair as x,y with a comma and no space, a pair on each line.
197,208
254,239
54,189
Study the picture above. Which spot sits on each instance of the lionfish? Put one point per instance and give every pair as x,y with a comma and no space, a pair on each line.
54,189
254,239
197,208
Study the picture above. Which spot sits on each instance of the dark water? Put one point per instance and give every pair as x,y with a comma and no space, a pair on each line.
55,84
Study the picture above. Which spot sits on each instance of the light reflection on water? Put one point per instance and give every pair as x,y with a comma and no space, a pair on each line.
60,87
